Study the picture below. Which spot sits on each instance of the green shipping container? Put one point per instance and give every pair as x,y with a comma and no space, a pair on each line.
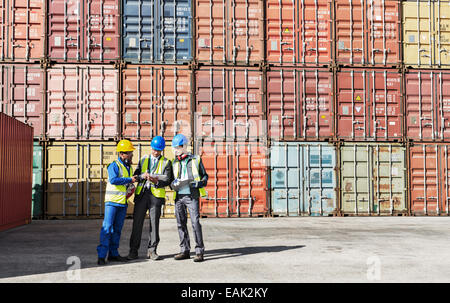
37,201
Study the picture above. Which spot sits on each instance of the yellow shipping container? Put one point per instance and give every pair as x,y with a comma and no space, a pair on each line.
77,174
426,33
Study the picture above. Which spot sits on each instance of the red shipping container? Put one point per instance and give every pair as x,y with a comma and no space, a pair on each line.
22,26
21,93
16,172
229,104
237,184
299,32
369,105
428,105
156,101
82,102
429,174
85,31
300,104
368,32
230,31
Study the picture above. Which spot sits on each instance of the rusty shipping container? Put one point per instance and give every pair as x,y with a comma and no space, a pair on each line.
16,172
373,179
429,169
427,101
299,32
300,104
229,104
426,33
22,25
22,95
368,32
237,184
82,102
77,174
369,105
156,101
83,31
230,32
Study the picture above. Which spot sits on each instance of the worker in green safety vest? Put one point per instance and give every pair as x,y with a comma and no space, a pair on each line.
190,180
155,173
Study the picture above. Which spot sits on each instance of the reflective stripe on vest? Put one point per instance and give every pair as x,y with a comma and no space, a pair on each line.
117,193
195,174
157,192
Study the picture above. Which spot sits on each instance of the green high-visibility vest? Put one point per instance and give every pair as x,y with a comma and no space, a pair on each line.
145,161
177,167
118,193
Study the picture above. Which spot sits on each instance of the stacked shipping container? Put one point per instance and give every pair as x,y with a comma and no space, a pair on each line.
303,107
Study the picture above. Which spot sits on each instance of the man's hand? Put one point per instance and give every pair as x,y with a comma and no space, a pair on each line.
153,179
133,179
146,175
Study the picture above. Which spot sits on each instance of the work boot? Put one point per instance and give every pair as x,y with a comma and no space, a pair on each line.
132,256
198,258
117,259
101,261
182,256
153,255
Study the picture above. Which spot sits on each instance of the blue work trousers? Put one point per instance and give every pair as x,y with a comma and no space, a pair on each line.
111,230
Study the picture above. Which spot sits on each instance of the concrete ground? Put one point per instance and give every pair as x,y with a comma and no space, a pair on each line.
306,249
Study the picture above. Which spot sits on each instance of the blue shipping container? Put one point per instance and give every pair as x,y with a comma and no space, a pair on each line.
303,179
157,32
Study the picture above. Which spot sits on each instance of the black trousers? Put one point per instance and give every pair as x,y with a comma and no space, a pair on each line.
147,202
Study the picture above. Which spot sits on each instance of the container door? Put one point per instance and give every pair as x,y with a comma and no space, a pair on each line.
139,31
350,46
425,181
418,33
320,179
421,105
281,31
175,26
383,32
388,179
445,178
102,30
355,178
442,89
442,29
37,208
64,177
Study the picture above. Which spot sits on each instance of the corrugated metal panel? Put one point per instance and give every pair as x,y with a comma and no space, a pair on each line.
300,104
428,105
299,32
229,104
16,172
373,179
77,174
82,102
21,94
426,31
368,32
84,31
429,179
157,31
303,179
37,208
230,32
369,105
22,30
156,101
237,184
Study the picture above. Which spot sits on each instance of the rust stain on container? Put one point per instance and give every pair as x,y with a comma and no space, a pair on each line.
300,104
16,172
156,101
21,95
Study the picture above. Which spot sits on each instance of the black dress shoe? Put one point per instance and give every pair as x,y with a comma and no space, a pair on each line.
132,256
117,259
101,261
182,256
198,258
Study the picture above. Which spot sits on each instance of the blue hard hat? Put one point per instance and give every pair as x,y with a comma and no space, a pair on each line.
158,143
179,140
